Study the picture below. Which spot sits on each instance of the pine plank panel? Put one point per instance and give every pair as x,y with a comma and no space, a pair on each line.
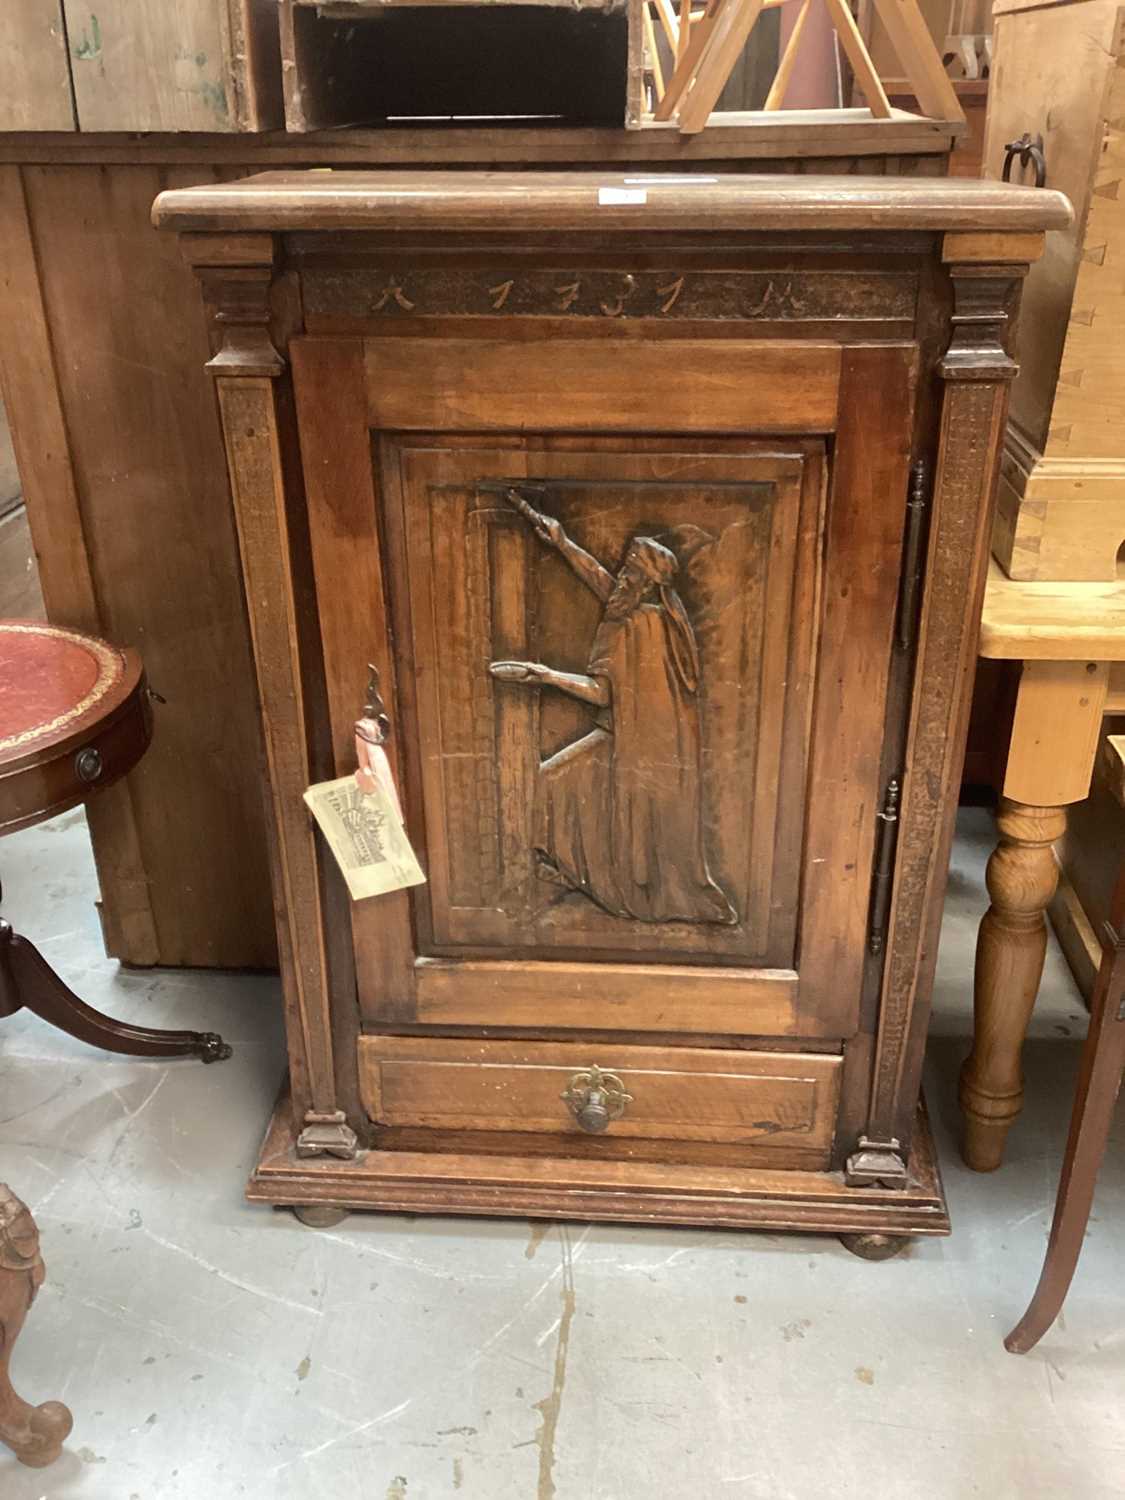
36,93
209,65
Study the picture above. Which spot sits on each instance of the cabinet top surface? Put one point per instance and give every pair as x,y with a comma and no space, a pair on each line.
327,199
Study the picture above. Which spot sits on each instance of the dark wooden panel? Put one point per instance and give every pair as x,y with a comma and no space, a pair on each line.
147,466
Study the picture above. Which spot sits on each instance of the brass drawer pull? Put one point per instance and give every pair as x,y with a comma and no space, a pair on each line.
595,1099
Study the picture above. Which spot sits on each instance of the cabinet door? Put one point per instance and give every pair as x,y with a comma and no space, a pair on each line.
620,665
606,662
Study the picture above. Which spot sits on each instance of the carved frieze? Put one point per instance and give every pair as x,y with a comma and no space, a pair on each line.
574,292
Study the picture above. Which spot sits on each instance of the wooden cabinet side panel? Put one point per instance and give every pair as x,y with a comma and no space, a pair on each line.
29,377
123,465
972,422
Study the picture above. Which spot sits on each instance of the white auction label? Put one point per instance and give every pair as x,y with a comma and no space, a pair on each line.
365,833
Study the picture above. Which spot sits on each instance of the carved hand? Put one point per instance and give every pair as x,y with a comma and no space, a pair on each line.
549,529
519,671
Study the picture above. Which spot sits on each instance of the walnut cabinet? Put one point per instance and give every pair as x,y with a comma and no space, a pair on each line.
661,507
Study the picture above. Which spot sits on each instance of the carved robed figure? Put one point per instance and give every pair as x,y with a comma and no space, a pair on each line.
619,812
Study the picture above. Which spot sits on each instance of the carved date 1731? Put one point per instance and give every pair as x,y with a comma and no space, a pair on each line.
620,810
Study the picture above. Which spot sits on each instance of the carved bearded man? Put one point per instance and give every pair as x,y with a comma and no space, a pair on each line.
619,813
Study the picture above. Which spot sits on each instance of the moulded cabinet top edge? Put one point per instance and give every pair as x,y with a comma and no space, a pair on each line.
596,200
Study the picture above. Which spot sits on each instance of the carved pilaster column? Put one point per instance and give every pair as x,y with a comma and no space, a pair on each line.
237,272
986,273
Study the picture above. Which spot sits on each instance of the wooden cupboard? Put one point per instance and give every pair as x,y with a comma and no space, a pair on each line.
661,507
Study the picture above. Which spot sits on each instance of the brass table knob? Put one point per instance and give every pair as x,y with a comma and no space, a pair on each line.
595,1099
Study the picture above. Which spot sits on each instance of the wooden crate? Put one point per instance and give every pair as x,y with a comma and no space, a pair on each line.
365,62
209,65
1060,73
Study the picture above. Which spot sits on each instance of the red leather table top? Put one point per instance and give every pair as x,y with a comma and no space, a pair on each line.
53,682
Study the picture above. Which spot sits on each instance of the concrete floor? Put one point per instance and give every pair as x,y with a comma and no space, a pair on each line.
209,1349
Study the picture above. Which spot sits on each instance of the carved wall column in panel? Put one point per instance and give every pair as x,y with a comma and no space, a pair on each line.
237,277
977,370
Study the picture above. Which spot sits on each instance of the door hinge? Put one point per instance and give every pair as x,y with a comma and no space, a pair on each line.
914,535
886,840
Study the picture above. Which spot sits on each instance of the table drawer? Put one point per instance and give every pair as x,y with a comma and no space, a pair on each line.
673,1093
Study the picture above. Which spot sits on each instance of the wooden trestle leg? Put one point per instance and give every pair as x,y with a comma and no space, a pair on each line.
1022,876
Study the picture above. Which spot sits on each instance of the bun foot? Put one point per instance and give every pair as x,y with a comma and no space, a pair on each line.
319,1215
874,1246
38,1441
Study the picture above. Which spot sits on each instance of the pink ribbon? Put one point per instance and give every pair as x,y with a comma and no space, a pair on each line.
373,769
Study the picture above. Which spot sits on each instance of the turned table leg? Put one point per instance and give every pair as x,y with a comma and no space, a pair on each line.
1011,946
1050,763
35,1434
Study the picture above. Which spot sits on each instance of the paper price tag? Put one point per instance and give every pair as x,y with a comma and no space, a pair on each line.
365,833
609,196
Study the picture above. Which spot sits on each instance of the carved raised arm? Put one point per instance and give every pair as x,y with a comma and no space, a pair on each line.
549,530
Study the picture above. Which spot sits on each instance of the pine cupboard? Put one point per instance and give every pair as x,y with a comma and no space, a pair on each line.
660,505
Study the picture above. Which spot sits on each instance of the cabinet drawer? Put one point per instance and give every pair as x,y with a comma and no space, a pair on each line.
675,1093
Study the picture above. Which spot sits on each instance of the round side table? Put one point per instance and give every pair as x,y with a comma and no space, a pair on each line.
74,718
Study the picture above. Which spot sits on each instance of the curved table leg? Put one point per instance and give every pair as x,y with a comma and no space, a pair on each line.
35,1434
27,979
1012,944
1103,1058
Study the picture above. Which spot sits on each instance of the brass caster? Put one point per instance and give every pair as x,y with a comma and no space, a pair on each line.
319,1215
874,1246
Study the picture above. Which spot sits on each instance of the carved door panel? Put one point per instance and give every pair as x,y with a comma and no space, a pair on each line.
612,714
638,684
